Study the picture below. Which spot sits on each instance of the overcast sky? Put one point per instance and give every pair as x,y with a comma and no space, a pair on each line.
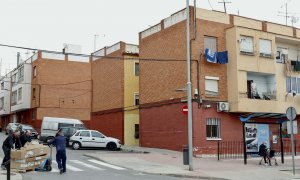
48,24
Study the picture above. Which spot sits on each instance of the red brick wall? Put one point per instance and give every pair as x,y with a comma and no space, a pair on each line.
109,123
163,127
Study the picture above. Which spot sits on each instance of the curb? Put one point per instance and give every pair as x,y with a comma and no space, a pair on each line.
171,175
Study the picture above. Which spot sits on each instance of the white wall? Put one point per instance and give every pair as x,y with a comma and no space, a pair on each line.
264,83
25,103
6,94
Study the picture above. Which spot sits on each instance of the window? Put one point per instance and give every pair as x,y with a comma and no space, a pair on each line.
2,86
1,103
246,45
65,125
96,134
281,55
21,74
213,128
136,69
211,86
136,131
292,85
14,98
85,133
33,115
210,43
20,94
136,99
77,134
34,71
265,48
14,79
33,93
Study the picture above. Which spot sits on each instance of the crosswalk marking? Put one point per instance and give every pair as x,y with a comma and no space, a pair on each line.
72,168
86,165
105,164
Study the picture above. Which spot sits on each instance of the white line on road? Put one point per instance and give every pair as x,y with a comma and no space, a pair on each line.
72,168
54,169
105,164
86,165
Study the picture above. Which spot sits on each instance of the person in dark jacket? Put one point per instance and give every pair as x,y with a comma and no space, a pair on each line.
25,137
263,151
60,142
11,142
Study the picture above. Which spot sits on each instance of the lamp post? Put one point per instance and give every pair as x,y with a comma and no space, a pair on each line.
189,88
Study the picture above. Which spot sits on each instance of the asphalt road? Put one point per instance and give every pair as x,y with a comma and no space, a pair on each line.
80,167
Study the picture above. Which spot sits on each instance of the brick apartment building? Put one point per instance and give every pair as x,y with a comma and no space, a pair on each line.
222,93
116,92
48,85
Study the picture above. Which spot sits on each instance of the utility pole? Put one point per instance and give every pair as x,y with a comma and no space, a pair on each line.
224,2
189,87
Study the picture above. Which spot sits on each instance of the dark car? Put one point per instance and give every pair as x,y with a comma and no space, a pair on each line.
69,131
34,133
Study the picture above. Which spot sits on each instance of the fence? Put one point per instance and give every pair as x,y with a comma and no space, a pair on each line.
235,149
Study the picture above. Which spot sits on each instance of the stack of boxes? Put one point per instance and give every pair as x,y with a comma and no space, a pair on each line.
29,157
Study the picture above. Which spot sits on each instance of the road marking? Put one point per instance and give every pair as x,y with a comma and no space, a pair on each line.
86,165
105,164
54,169
72,168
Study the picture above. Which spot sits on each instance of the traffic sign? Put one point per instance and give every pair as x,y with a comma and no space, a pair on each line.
291,113
185,109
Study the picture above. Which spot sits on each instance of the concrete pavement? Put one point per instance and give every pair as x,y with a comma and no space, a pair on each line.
165,162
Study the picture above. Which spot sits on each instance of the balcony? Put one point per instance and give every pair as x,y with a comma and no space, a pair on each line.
261,86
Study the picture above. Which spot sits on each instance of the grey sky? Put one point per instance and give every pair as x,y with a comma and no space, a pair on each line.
47,24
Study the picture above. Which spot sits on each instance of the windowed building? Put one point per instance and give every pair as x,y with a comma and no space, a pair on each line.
240,68
115,106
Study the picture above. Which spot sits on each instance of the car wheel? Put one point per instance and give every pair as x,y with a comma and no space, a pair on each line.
76,145
111,146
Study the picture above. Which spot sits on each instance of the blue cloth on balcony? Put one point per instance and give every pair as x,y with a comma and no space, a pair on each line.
210,56
222,57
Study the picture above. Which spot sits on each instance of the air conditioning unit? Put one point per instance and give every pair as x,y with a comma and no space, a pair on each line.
223,106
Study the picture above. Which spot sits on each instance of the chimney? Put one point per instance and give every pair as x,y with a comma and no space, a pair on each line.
18,58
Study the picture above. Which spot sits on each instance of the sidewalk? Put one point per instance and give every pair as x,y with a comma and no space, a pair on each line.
13,175
166,162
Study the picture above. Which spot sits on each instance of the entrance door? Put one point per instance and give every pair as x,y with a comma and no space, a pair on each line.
249,82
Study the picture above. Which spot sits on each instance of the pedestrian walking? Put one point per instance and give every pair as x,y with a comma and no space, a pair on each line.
11,142
263,151
60,142
25,137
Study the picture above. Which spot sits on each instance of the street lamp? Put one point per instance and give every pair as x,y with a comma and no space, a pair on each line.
189,88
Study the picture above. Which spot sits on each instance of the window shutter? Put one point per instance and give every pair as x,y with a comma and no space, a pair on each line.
265,46
246,44
210,43
211,86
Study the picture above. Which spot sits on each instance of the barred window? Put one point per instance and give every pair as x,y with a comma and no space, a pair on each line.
213,128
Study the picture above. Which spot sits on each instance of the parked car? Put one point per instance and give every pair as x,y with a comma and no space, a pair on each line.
50,126
34,133
11,127
68,132
93,138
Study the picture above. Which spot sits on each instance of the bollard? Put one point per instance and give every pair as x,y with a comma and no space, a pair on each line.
7,164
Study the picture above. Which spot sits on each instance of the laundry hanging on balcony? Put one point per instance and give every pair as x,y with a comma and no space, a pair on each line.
297,66
222,57
216,57
210,56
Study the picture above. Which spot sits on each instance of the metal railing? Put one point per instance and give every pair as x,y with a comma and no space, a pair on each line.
235,149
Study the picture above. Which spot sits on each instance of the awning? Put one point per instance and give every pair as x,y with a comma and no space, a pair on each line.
277,116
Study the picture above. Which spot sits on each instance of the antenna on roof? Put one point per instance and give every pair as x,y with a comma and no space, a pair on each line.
224,2
286,11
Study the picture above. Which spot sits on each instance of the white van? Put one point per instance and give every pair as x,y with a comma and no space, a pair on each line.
50,126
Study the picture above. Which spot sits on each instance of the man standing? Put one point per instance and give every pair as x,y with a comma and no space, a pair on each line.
11,142
263,151
25,137
60,142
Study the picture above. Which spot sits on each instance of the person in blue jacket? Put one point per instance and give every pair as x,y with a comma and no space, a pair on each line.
60,142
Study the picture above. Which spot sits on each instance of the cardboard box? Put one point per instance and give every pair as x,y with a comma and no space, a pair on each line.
32,159
30,151
26,165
